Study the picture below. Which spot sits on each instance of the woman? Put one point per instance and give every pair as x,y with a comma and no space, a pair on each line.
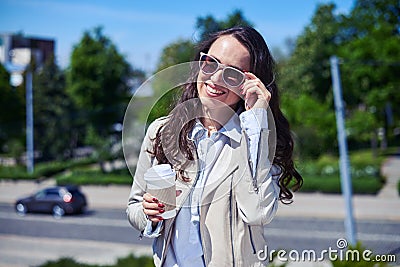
221,144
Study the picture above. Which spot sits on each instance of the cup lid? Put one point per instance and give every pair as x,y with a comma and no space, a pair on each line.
160,170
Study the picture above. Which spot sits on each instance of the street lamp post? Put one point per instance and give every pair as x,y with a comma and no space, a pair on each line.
29,122
345,177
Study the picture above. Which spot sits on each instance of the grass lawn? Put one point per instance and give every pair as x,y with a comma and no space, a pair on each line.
323,174
93,177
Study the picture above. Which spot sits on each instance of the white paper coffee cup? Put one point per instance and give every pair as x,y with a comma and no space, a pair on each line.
160,180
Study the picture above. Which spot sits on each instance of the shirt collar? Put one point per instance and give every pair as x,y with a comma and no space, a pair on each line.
231,129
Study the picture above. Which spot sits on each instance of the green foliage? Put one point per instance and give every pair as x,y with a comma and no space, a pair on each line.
313,123
42,170
94,177
14,147
398,187
323,174
208,24
307,71
132,261
331,184
354,252
368,43
107,148
16,173
97,81
175,53
53,122
129,261
305,82
163,85
164,105
370,49
361,125
65,262
12,111
371,62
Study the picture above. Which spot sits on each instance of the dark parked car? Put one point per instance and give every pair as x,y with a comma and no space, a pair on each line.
58,200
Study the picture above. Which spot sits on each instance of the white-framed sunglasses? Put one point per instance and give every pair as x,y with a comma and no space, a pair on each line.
231,76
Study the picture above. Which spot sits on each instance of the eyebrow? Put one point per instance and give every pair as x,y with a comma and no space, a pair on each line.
233,66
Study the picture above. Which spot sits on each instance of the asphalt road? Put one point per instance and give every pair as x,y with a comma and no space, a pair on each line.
106,234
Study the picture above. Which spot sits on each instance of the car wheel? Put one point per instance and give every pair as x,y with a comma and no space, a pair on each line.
58,211
21,209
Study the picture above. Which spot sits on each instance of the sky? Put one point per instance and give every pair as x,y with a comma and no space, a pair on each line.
141,29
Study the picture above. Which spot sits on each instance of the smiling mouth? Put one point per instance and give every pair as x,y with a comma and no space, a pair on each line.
213,91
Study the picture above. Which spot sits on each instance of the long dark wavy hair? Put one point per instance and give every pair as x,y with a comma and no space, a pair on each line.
180,121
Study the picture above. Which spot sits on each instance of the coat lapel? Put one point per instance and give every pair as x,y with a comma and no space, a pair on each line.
225,165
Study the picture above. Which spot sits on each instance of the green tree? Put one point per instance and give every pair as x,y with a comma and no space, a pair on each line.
175,53
97,82
368,45
208,24
12,111
306,84
313,123
370,50
307,70
53,126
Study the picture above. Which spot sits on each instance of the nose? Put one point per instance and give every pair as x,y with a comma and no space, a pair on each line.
216,78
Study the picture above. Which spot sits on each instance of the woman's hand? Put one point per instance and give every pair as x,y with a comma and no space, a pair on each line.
152,208
255,93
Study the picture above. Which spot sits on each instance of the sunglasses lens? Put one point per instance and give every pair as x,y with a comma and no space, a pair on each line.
208,65
233,77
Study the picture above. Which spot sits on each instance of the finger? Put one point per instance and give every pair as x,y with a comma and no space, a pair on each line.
254,83
250,75
151,212
149,198
254,92
248,85
251,91
151,203
155,218
255,99
152,206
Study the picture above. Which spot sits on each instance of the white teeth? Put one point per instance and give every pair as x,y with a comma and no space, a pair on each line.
214,91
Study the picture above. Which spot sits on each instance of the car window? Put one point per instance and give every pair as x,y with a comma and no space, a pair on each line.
40,195
53,194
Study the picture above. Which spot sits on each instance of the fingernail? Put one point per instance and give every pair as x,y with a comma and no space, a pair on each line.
161,211
160,205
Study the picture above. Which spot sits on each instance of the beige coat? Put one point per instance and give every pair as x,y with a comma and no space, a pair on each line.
232,213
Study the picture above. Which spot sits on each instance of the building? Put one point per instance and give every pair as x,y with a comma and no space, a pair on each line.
18,50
